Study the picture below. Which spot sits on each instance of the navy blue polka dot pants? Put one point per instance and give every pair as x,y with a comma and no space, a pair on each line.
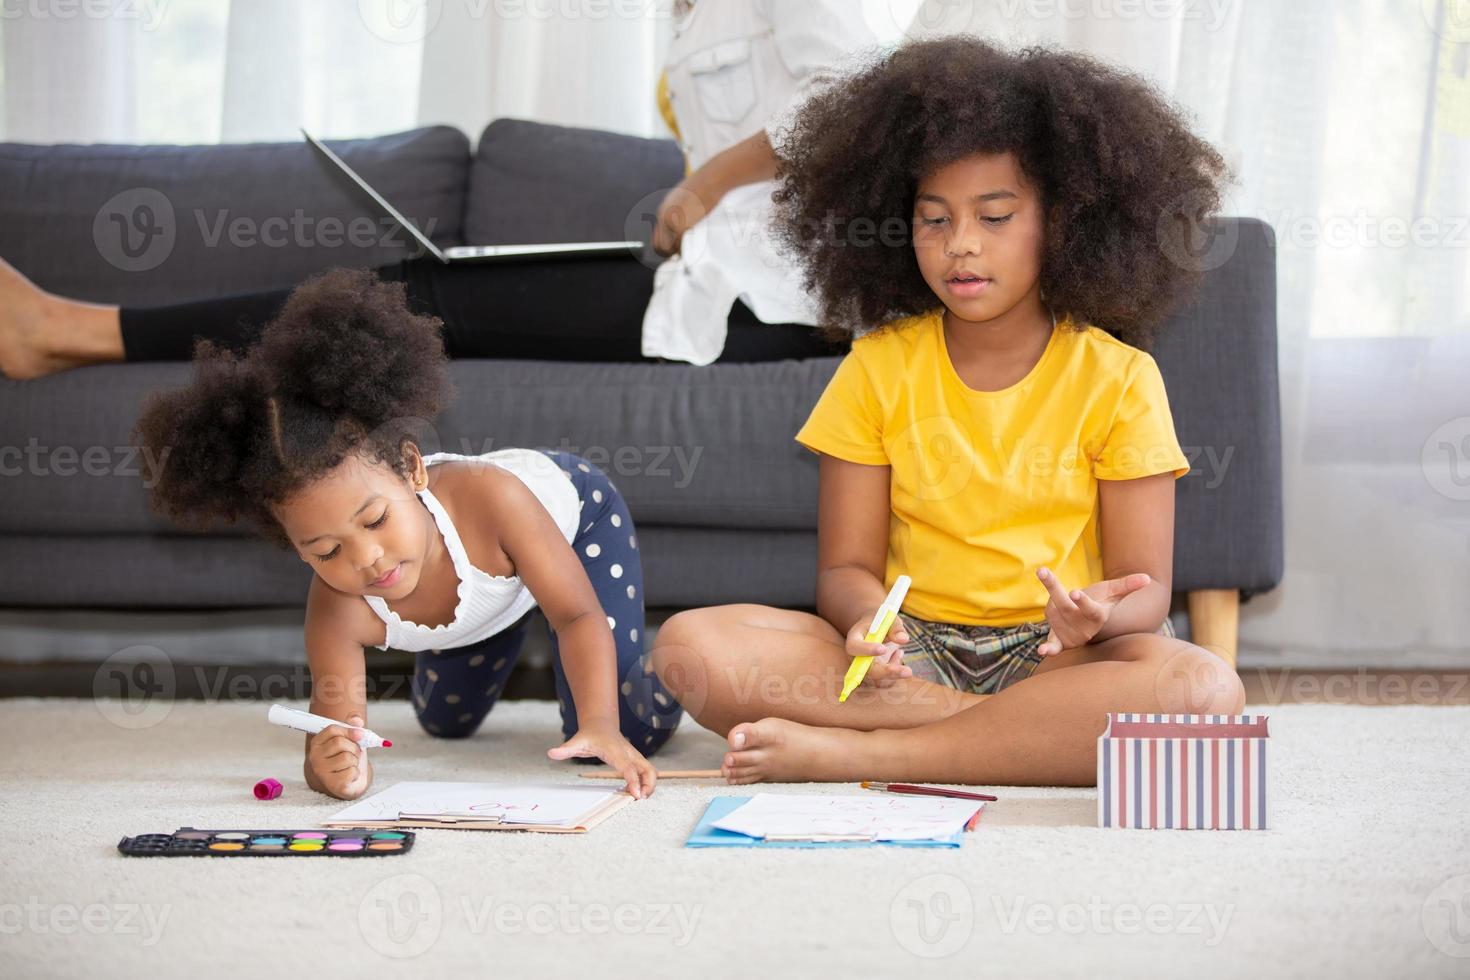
454,689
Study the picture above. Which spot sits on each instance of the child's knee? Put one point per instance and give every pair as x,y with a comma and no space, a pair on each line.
678,653
1189,679
450,716
459,726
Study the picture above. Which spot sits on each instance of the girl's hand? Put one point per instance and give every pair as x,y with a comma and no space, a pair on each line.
608,744
1076,617
887,655
336,764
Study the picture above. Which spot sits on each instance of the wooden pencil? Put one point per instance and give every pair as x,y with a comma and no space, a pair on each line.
925,790
663,774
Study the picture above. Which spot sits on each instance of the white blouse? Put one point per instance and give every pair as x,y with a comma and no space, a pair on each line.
736,67
487,603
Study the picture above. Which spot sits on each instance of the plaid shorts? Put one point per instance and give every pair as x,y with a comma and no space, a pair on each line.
976,659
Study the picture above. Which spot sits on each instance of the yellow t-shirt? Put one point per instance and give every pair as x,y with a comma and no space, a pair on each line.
987,486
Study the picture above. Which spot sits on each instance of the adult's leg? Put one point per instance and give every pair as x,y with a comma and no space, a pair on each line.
169,333
563,310
742,663
577,310
1039,731
41,334
584,309
750,339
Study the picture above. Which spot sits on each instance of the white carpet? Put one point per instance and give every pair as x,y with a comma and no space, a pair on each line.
1359,878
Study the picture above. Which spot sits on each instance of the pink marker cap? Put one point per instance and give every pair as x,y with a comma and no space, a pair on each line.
267,789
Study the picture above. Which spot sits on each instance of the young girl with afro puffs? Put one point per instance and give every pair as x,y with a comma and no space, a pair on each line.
309,434
992,227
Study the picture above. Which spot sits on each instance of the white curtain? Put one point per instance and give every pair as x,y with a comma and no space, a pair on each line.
574,64
1348,125
203,71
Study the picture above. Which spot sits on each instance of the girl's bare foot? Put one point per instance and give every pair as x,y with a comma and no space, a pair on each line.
41,334
778,750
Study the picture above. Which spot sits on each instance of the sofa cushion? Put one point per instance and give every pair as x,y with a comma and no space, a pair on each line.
682,567
687,446
532,183
206,221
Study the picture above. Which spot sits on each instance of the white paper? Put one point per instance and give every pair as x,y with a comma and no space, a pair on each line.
544,805
874,815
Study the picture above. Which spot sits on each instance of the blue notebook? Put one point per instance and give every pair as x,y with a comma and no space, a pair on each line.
706,835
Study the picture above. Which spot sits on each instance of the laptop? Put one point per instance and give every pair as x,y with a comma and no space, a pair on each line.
477,253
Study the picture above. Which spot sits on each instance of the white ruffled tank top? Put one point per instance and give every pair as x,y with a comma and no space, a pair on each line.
487,603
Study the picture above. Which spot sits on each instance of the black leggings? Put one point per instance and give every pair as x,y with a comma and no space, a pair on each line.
575,310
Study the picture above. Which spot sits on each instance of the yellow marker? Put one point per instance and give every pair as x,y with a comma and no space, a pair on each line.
882,622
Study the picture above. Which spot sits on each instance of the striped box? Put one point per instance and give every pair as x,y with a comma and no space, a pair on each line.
1183,772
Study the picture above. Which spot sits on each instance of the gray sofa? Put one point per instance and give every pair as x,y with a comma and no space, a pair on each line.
725,500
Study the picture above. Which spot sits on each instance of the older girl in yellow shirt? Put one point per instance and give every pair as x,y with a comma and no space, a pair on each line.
1000,438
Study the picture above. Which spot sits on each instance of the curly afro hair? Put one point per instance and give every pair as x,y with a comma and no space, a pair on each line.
1118,171
344,369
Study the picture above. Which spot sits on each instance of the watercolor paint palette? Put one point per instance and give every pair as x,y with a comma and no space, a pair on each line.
191,842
